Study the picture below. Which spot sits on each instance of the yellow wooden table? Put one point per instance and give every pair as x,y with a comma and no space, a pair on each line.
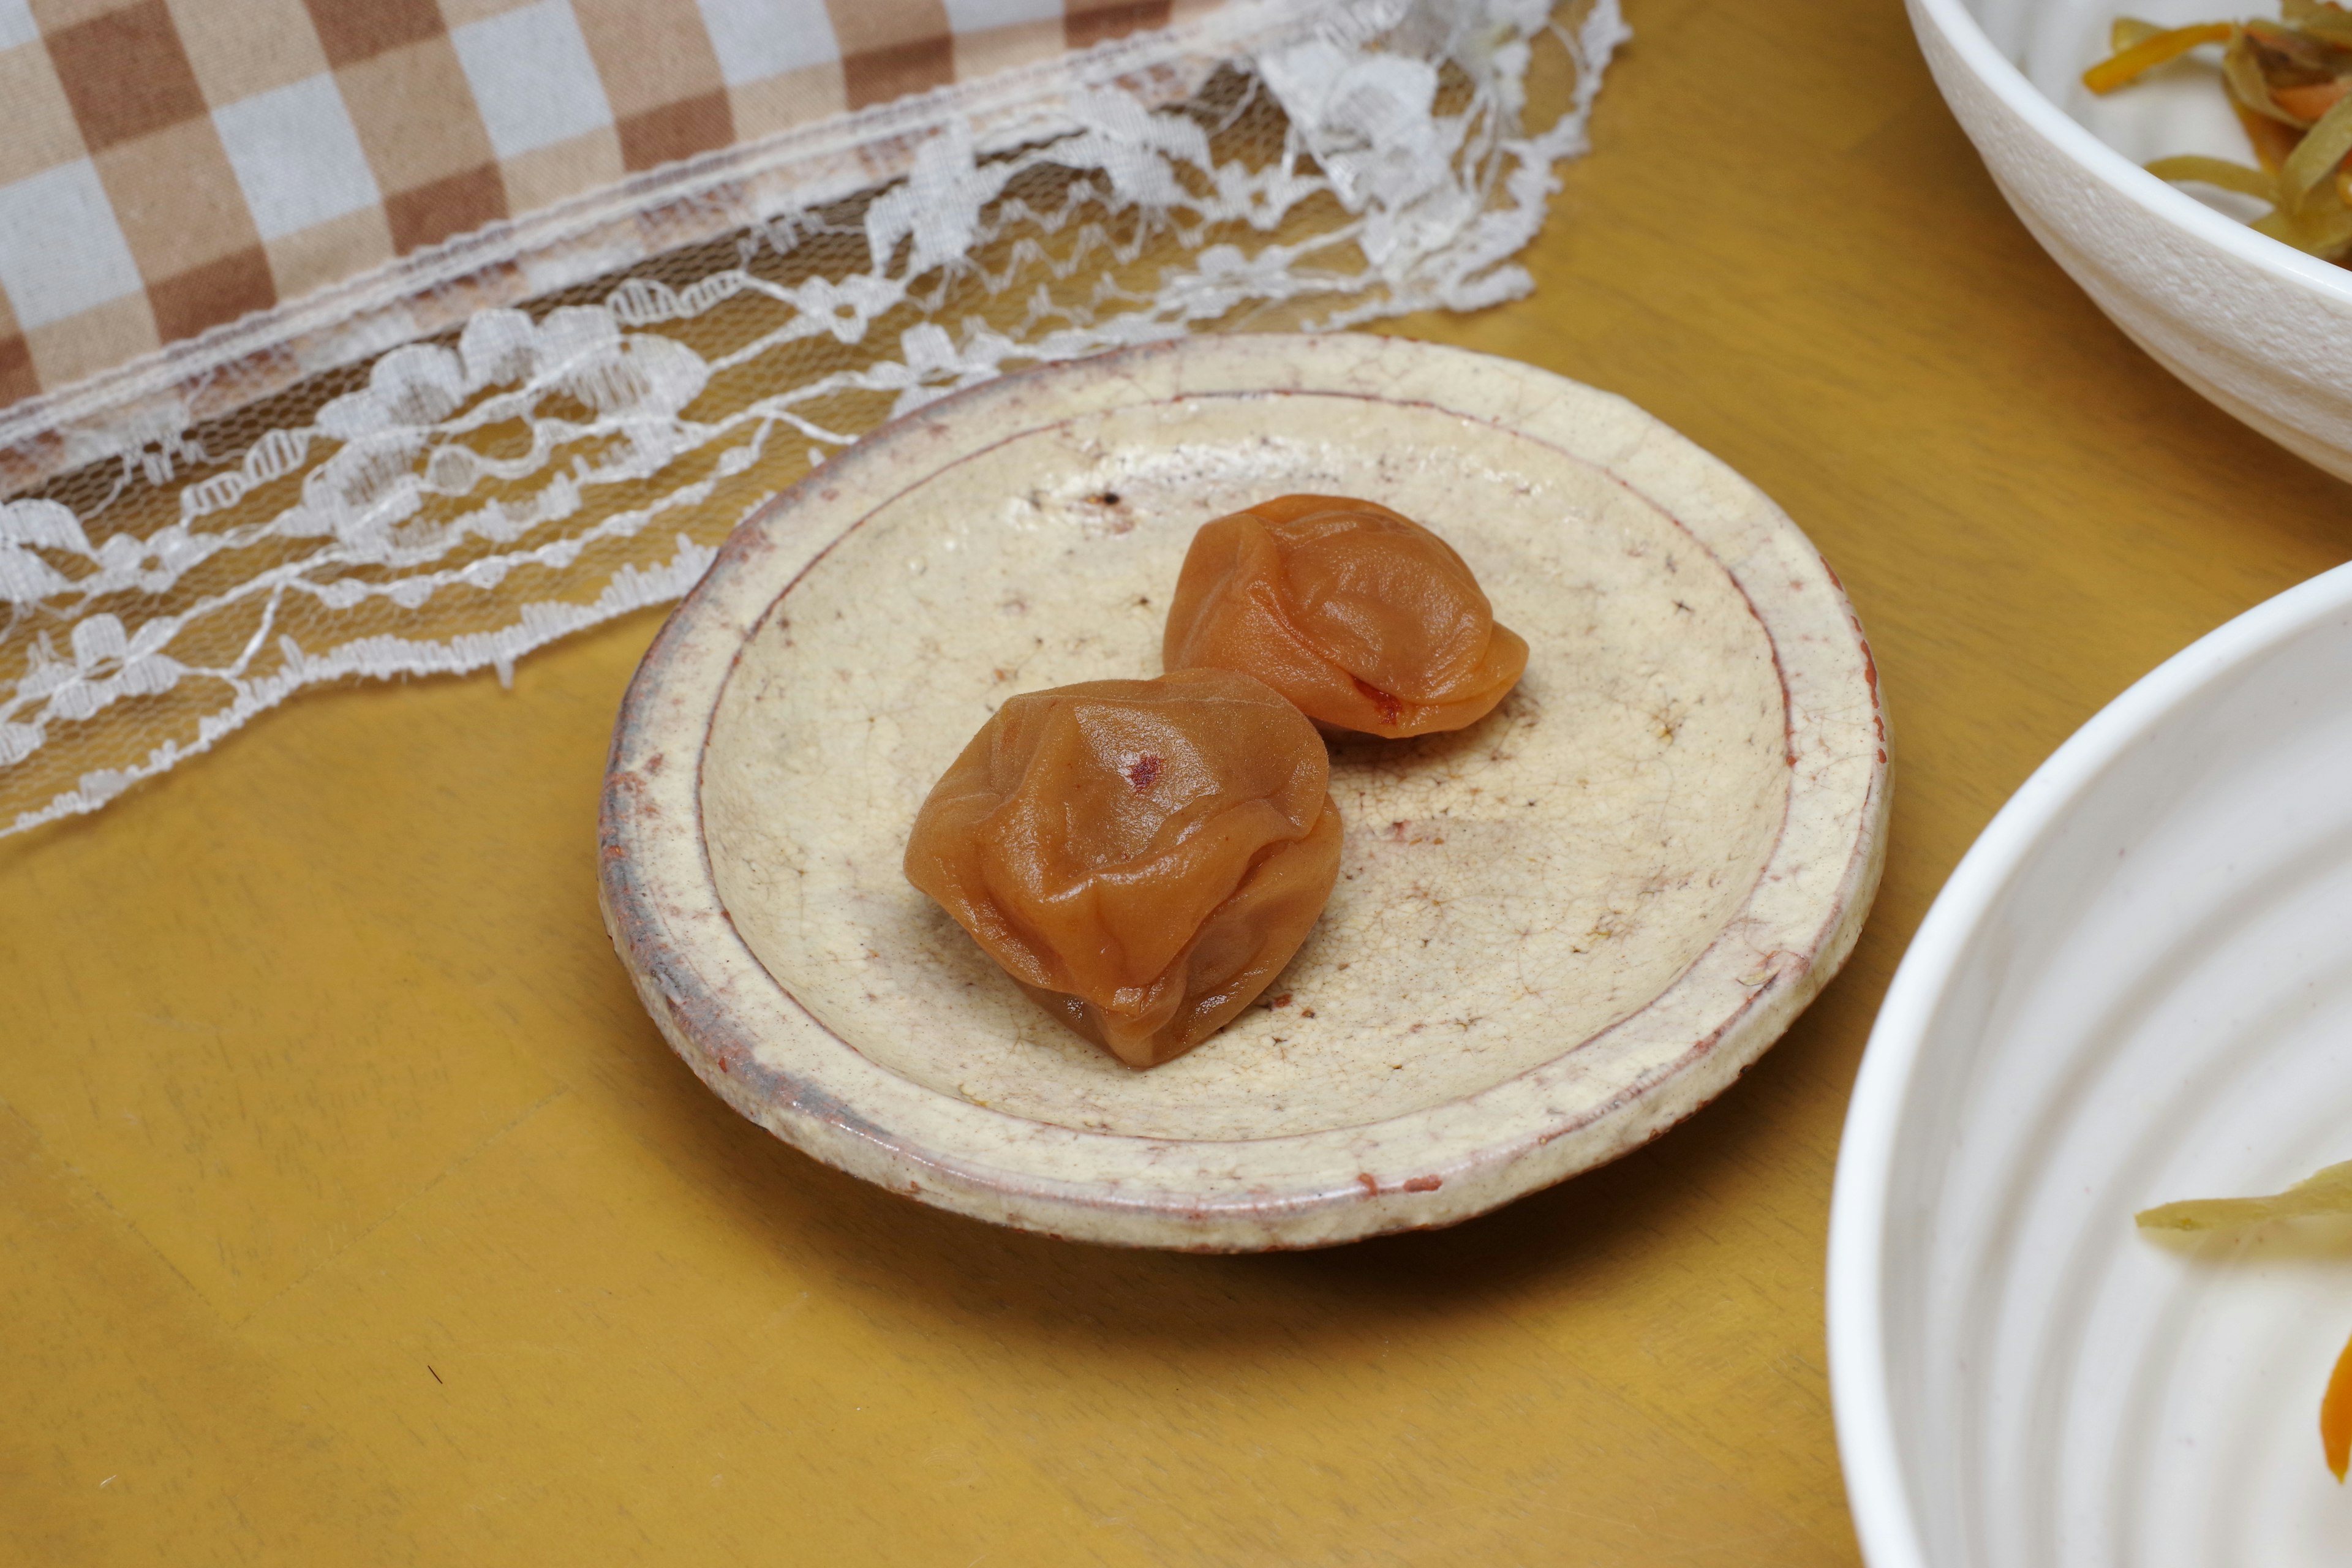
352,1211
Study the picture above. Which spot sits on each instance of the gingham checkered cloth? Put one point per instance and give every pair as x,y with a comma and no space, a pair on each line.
169,165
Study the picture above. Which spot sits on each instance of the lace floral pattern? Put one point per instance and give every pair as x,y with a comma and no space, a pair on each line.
171,568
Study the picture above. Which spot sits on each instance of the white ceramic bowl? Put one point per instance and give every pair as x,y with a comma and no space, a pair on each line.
1556,932
2261,328
2136,987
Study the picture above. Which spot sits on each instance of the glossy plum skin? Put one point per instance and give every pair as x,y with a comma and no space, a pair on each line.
1142,856
1363,617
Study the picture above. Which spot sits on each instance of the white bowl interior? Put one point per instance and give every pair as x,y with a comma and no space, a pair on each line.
1506,892
2173,110
2152,1001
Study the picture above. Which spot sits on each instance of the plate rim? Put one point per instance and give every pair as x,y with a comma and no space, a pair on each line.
704,985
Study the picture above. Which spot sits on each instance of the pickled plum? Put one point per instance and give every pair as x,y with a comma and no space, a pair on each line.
1142,856
1365,619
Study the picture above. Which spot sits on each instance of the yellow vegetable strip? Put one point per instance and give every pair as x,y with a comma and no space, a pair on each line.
2289,56
2243,73
2315,156
2219,171
2326,225
2329,24
2279,226
2153,51
2126,31
2335,1416
2327,1192
2322,20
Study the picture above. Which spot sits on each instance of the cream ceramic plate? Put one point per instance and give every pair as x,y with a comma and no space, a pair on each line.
1555,933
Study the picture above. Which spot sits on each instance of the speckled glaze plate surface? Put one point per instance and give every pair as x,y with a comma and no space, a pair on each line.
1555,934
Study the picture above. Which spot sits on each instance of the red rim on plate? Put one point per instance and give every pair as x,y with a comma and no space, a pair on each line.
748,875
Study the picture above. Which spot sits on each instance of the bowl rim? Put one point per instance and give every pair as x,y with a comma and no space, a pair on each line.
722,1010
1877,1492
1958,27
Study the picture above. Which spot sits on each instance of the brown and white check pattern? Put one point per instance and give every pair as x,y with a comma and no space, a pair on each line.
170,165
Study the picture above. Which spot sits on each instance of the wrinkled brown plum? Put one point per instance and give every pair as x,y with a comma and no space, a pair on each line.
1143,857
1361,616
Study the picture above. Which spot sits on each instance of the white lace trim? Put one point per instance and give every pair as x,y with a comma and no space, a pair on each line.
550,468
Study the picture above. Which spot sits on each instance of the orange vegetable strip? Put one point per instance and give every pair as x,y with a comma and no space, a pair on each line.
2312,99
2271,141
2241,72
2282,40
2335,1416
2149,53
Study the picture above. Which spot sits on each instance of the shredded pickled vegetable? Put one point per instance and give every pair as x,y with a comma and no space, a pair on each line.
2327,1192
2335,1416
2291,84
2152,48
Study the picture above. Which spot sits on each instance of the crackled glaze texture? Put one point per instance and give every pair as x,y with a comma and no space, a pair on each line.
1555,932
1524,882
2262,330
